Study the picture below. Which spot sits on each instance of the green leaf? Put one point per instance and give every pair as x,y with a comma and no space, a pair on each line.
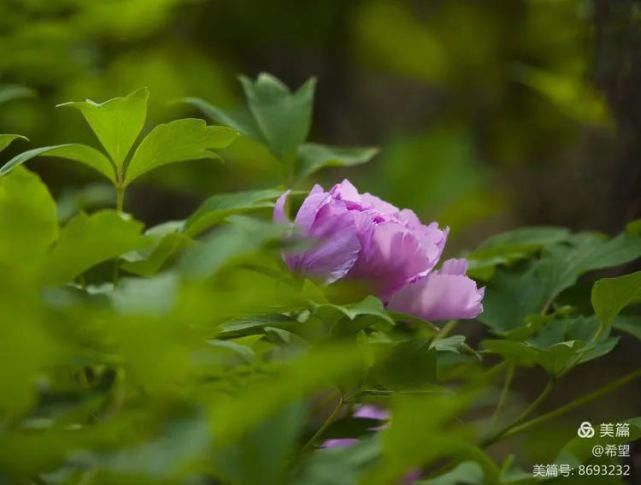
9,92
5,140
313,157
73,151
177,141
630,325
369,306
298,378
153,260
28,220
263,454
611,295
569,94
255,325
242,121
511,246
167,240
410,365
150,296
242,237
466,473
514,294
220,206
284,118
88,240
453,343
117,122
556,359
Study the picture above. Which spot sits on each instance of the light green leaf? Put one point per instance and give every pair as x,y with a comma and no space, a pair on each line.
177,141
611,295
466,473
9,92
72,151
313,157
117,122
28,221
88,240
217,207
284,118
167,241
243,236
150,296
570,94
5,140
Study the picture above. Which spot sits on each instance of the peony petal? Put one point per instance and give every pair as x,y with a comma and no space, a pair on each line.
314,202
454,267
337,245
440,296
390,256
280,217
346,192
379,205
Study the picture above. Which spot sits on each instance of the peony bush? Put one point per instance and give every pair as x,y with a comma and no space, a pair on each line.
334,346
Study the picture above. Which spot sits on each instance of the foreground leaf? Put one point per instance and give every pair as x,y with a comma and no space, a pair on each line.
88,240
28,220
6,140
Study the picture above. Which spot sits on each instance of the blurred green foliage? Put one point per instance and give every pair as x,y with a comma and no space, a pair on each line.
167,343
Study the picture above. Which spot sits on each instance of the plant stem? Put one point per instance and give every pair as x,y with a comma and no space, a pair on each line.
523,416
446,329
613,386
120,198
509,376
330,419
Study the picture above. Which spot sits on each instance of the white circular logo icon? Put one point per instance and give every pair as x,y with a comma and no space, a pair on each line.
585,430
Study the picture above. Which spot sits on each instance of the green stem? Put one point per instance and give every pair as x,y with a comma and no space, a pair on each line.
509,376
523,416
613,386
446,329
120,198
330,419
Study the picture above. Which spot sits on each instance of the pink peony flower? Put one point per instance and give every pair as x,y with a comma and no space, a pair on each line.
361,237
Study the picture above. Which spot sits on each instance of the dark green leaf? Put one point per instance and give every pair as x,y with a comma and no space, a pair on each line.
611,295
243,122
283,117
313,157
